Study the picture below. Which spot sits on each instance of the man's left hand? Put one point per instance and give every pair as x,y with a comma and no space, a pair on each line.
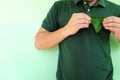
112,23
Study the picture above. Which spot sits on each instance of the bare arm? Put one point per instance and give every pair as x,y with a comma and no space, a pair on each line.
45,39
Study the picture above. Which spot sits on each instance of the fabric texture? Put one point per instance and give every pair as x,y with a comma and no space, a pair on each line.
85,55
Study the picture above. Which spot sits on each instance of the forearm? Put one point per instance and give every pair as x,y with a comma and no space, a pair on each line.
47,40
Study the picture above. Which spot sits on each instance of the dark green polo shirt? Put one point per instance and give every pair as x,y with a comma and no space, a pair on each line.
85,55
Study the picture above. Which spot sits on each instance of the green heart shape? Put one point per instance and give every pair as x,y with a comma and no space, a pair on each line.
97,23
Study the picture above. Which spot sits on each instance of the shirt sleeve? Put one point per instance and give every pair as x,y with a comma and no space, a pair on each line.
50,23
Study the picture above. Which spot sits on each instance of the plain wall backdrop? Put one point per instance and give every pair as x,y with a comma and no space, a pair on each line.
19,60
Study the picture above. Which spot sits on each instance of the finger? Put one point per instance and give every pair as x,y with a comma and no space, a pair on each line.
113,29
83,21
83,25
87,17
116,25
111,19
82,15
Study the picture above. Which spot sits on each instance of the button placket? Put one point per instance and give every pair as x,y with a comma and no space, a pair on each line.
88,9
85,2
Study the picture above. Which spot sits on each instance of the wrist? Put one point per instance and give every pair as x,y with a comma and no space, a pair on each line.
65,31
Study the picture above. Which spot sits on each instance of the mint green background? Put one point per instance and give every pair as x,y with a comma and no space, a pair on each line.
19,60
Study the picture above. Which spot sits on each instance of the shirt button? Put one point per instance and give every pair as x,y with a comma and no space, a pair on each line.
88,10
85,2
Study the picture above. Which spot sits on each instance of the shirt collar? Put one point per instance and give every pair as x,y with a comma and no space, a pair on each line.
77,1
100,2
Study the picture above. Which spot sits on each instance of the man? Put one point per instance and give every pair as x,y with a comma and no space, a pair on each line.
83,53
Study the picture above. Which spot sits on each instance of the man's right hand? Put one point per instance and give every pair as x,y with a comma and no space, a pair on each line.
77,22
45,39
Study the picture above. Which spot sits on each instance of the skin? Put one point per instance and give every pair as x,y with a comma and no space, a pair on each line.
91,2
45,39
112,23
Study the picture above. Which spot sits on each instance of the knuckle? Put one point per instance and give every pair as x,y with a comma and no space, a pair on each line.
114,24
74,14
113,18
85,25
